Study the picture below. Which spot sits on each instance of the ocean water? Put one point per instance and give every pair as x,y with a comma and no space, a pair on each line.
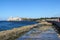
7,25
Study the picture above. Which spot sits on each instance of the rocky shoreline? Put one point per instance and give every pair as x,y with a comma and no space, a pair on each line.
16,32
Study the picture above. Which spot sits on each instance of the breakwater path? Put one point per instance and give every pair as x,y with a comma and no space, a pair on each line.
41,32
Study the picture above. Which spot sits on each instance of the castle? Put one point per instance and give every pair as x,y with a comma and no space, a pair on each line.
14,19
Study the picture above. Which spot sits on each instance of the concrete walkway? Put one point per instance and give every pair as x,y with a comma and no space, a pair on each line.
40,33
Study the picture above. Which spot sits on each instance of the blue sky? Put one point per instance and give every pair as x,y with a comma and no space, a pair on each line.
29,8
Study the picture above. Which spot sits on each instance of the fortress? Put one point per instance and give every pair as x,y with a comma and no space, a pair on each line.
14,19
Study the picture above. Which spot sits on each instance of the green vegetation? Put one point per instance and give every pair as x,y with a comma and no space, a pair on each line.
39,19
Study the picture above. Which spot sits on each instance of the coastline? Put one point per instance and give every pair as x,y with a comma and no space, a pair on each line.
16,32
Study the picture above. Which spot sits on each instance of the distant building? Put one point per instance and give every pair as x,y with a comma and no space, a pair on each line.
14,19
53,19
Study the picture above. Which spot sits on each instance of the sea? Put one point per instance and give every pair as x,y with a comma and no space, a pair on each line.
8,25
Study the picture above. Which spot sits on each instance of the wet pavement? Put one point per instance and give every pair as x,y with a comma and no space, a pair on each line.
40,33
